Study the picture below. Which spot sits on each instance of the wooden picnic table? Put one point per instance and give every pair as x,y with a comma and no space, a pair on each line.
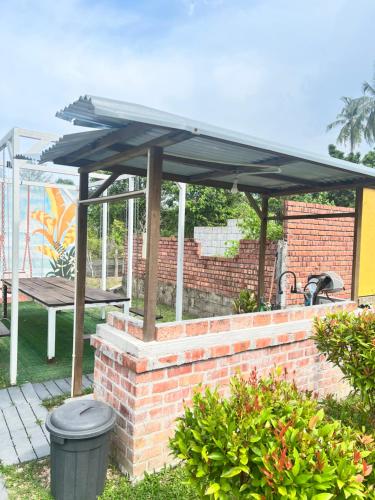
57,294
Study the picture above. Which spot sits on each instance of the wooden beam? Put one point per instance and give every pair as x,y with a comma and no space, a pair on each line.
131,170
110,180
254,204
323,188
230,170
312,216
154,178
286,178
129,195
80,285
357,243
118,135
164,141
262,250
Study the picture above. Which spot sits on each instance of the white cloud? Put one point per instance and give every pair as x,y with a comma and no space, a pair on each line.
273,68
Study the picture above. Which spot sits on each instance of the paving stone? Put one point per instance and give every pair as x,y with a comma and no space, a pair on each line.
29,392
63,385
12,418
52,388
5,400
25,453
41,391
5,438
16,395
23,446
3,490
27,415
8,455
39,441
46,433
3,424
86,382
40,412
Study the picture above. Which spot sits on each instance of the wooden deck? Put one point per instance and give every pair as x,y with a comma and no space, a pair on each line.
59,292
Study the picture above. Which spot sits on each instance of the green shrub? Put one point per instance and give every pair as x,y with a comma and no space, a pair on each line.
246,302
348,341
268,441
232,248
351,411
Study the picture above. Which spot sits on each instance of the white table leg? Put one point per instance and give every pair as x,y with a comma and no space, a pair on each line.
51,333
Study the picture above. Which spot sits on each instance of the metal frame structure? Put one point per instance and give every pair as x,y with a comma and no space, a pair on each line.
136,140
11,143
12,152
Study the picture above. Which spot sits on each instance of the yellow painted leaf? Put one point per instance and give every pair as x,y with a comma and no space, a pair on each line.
56,200
45,234
66,220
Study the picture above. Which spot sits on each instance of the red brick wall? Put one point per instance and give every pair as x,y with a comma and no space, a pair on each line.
147,385
221,275
316,245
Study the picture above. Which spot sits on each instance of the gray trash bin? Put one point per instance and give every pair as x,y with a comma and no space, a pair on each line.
80,433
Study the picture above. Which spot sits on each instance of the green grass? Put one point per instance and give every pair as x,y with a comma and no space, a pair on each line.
55,401
32,345
30,481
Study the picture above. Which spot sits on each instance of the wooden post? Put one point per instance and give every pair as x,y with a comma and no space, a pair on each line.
80,285
153,197
357,243
5,302
262,249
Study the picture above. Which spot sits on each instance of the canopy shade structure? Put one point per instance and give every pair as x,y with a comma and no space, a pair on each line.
193,152
136,140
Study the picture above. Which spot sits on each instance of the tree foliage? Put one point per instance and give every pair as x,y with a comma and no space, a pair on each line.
356,119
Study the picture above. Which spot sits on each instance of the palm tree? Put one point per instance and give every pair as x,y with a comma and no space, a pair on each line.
368,111
351,120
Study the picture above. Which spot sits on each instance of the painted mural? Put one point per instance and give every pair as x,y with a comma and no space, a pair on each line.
58,230
47,230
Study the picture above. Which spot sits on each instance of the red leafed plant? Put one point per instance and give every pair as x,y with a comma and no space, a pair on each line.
267,441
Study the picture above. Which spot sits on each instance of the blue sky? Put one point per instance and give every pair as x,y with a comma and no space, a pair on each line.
271,68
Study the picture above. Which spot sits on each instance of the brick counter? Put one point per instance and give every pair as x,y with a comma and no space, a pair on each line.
148,383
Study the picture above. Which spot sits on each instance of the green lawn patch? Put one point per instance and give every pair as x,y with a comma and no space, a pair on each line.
32,345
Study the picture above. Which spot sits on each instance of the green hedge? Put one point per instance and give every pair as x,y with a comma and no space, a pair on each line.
269,441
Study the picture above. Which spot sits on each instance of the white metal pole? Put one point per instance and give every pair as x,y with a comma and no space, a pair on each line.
104,247
15,263
130,228
180,250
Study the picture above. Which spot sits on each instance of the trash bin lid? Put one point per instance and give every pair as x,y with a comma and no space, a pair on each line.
81,419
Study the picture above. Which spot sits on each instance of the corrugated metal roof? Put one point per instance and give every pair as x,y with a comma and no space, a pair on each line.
207,155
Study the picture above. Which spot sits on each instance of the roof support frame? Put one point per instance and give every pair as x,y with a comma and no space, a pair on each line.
254,204
108,182
80,285
128,195
165,140
323,188
153,202
131,170
357,243
108,140
262,250
312,216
